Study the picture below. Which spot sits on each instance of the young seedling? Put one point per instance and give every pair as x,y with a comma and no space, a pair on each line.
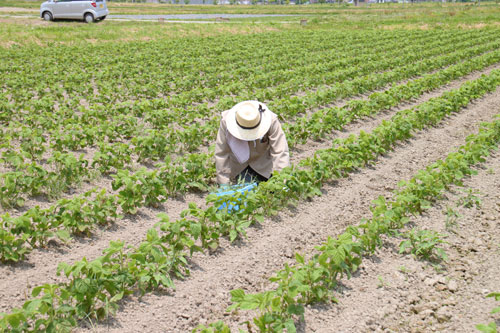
470,199
451,218
423,244
217,327
381,282
491,327
497,298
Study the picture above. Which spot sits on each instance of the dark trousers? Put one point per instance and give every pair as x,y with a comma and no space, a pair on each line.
249,175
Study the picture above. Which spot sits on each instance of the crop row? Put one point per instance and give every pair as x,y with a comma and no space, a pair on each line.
161,68
312,281
291,108
150,188
44,104
94,287
172,58
164,138
325,120
191,172
33,179
46,100
70,134
158,144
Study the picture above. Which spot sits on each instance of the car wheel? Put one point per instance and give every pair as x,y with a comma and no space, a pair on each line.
89,18
47,16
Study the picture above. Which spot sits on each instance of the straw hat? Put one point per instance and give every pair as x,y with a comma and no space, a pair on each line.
248,120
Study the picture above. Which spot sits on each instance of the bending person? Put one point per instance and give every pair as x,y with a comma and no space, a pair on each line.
250,144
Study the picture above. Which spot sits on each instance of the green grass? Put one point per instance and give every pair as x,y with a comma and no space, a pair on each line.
31,30
316,9
21,32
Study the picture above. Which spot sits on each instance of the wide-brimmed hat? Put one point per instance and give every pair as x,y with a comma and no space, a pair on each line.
249,120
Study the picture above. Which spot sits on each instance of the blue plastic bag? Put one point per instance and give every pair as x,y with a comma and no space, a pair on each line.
231,190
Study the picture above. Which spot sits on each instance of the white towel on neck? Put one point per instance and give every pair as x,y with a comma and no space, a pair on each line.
239,148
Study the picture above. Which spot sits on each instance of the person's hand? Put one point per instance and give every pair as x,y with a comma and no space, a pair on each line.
285,188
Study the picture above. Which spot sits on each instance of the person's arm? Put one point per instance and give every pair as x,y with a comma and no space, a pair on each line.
222,156
278,147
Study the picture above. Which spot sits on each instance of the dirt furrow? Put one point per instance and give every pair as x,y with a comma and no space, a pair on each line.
18,280
400,293
367,124
104,182
41,264
205,296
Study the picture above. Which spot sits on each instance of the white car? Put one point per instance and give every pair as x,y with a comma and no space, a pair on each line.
87,10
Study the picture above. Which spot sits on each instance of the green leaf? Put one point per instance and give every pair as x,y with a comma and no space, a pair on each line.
63,235
290,326
233,234
490,328
36,291
15,319
296,309
250,303
299,258
117,297
195,229
32,306
259,218
237,295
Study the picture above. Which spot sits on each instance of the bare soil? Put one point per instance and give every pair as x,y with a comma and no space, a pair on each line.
398,293
205,295
369,123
